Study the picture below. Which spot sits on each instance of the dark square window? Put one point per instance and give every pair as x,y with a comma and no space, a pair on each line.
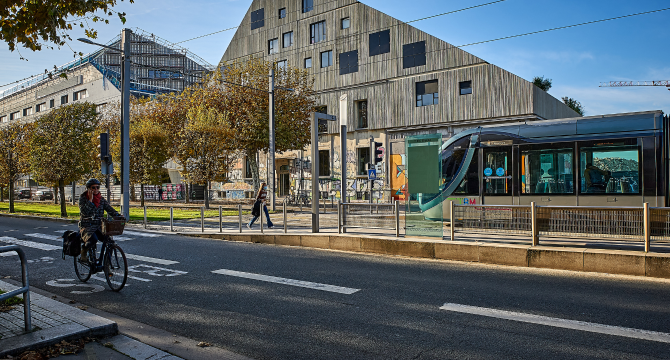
346,23
282,13
273,46
282,65
288,39
317,32
414,54
349,62
247,168
363,160
324,163
308,63
257,19
326,58
307,5
362,114
465,87
52,103
426,93
380,42
63,100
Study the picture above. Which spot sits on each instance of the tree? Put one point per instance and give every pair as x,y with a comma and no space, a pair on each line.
248,106
574,105
32,23
206,147
63,146
542,83
14,149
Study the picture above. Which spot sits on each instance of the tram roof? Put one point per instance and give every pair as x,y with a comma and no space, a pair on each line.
643,121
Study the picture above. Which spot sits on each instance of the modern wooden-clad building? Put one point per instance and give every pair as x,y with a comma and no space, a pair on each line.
399,81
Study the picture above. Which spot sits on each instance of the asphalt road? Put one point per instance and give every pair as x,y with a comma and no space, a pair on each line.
361,307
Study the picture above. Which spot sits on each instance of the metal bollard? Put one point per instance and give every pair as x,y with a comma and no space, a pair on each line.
239,209
344,218
145,217
220,219
339,217
202,219
261,216
171,219
285,224
452,220
533,219
396,209
647,228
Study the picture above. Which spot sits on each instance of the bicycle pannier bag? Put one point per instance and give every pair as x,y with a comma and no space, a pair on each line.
71,243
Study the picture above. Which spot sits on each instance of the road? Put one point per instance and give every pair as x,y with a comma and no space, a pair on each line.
275,302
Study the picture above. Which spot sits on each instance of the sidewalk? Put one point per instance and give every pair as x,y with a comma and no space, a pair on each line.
55,319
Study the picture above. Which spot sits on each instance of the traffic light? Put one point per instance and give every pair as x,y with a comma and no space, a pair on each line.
379,153
104,155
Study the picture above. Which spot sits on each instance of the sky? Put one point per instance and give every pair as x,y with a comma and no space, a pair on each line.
577,59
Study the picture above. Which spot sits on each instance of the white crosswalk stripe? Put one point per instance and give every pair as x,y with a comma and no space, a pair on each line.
45,236
116,238
151,260
30,244
143,234
292,282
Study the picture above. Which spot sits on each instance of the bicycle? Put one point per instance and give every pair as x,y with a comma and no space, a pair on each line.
112,260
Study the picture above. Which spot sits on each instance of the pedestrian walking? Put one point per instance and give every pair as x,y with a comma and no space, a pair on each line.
160,193
260,203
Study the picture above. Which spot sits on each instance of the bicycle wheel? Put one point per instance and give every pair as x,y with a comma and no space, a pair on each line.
84,270
115,268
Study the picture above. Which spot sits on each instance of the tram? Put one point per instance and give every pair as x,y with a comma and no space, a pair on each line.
605,160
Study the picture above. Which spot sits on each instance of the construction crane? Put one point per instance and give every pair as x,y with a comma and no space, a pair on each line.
665,83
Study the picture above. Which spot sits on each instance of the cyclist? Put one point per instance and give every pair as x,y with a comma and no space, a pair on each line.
92,207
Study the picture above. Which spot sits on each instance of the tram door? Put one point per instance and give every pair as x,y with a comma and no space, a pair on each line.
496,169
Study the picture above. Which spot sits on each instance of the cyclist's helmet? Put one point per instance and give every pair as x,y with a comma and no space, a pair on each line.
91,182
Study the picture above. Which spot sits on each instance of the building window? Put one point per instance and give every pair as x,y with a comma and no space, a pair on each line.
282,13
63,100
414,54
349,62
317,32
99,108
362,114
346,23
83,94
465,87
363,160
247,168
324,163
288,39
41,107
257,19
52,103
426,93
282,65
3,118
273,46
28,111
14,115
308,63
612,167
326,58
307,5
380,42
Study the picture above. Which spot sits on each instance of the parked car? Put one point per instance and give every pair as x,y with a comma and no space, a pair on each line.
23,194
42,195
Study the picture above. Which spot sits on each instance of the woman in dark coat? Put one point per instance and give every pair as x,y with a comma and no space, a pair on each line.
92,207
260,203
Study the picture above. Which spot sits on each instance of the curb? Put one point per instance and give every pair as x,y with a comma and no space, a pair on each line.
622,262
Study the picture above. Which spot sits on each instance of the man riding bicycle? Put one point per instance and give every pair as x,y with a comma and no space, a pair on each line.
92,207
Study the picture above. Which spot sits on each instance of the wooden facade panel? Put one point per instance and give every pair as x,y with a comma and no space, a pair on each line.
548,107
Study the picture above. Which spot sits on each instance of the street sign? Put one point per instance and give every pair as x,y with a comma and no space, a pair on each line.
372,174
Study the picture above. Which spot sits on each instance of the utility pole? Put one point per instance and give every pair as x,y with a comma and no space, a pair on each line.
343,146
125,123
315,166
271,169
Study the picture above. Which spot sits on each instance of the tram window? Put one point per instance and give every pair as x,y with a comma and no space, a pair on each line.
452,159
547,171
470,183
497,180
610,168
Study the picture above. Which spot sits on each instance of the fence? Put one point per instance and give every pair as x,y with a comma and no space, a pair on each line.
642,224
368,216
25,290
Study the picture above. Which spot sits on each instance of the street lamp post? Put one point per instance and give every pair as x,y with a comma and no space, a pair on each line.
315,166
125,117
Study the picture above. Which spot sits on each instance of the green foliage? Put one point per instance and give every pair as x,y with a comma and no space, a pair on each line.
542,83
14,154
574,105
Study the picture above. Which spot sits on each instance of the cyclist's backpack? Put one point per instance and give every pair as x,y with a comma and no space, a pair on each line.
71,243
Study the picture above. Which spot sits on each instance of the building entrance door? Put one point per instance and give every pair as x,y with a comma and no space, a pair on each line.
284,184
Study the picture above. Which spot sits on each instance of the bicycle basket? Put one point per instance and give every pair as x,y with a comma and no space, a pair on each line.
113,226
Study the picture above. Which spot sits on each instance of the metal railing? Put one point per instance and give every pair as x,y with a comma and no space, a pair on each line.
368,216
638,224
25,290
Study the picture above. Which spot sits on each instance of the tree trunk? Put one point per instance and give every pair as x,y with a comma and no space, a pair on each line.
11,195
142,195
55,194
63,204
132,192
2,194
251,157
186,193
207,195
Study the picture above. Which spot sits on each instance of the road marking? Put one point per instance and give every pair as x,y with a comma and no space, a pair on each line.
155,270
64,283
292,282
41,227
116,238
97,277
136,233
560,323
46,236
10,253
151,260
30,244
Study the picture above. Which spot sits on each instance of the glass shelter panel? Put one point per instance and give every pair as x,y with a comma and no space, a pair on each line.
423,205
547,171
610,167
